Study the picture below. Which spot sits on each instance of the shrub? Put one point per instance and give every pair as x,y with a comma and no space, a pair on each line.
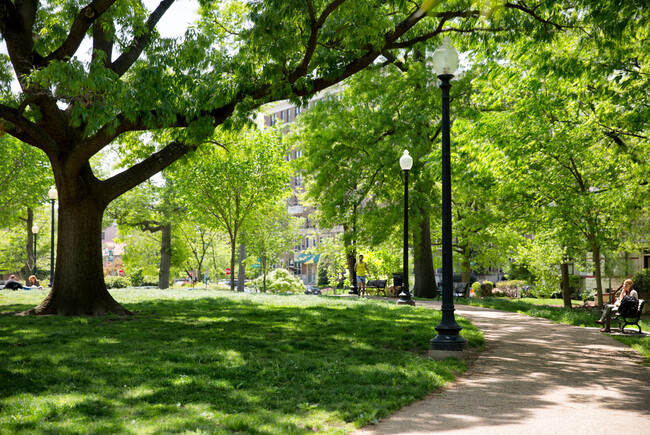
150,280
323,279
642,284
511,289
116,282
476,287
280,281
137,278
486,289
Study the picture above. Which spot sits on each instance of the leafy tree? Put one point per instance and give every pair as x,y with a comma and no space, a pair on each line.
571,153
200,241
271,233
150,208
241,55
352,145
25,177
228,186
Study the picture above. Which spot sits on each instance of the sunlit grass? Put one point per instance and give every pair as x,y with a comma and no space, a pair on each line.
204,361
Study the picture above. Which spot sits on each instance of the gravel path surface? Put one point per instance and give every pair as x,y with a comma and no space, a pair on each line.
534,377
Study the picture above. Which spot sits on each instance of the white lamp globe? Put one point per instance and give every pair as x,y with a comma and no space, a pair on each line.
406,161
445,58
52,194
35,229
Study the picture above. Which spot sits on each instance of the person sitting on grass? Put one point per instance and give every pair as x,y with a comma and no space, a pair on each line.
33,282
608,309
13,284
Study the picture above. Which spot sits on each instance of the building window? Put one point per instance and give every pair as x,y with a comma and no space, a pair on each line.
282,115
299,269
297,111
288,114
272,120
298,154
298,180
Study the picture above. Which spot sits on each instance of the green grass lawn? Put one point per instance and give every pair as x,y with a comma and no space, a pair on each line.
201,361
578,316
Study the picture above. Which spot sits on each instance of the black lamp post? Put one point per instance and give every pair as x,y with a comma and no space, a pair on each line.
35,232
448,342
53,195
406,163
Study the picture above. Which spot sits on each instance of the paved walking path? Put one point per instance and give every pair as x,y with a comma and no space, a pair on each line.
534,377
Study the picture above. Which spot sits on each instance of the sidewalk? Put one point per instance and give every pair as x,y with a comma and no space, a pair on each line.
534,377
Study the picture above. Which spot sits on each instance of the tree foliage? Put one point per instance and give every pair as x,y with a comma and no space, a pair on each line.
228,185
156,100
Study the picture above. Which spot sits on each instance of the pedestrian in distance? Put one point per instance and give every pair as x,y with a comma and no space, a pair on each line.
360,270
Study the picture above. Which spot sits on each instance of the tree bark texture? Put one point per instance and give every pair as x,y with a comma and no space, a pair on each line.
165,256
566,290
597,273
78,288
425,277
241,272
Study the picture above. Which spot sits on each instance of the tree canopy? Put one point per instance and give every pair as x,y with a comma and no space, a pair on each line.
155,100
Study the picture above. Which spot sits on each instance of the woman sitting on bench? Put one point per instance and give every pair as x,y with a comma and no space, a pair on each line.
606,317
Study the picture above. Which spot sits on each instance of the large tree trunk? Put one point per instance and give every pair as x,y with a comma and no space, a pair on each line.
566,290
165,256
350,256
425,278
465,267
78,288
597,273
241,272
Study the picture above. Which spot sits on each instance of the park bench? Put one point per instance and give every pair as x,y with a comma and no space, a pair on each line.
459,290
633,319
378,284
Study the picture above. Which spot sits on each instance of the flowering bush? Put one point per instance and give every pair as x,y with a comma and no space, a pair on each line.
280,281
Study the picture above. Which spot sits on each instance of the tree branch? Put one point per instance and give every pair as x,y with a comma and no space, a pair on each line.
140,172
313,37
131,54
26,131
78,30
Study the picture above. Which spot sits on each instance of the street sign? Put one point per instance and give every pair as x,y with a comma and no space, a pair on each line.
227,271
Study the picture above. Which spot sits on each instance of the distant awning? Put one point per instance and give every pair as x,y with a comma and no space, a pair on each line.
307,258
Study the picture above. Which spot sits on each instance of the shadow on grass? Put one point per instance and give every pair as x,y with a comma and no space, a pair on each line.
248,364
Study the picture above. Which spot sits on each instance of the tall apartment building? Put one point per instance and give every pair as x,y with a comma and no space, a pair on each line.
301,263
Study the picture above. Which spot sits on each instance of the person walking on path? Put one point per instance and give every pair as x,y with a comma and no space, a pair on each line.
534,377
360,270
608,309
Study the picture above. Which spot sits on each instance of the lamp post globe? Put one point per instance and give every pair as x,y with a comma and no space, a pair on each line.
53,195
445,58
448,342
406,163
